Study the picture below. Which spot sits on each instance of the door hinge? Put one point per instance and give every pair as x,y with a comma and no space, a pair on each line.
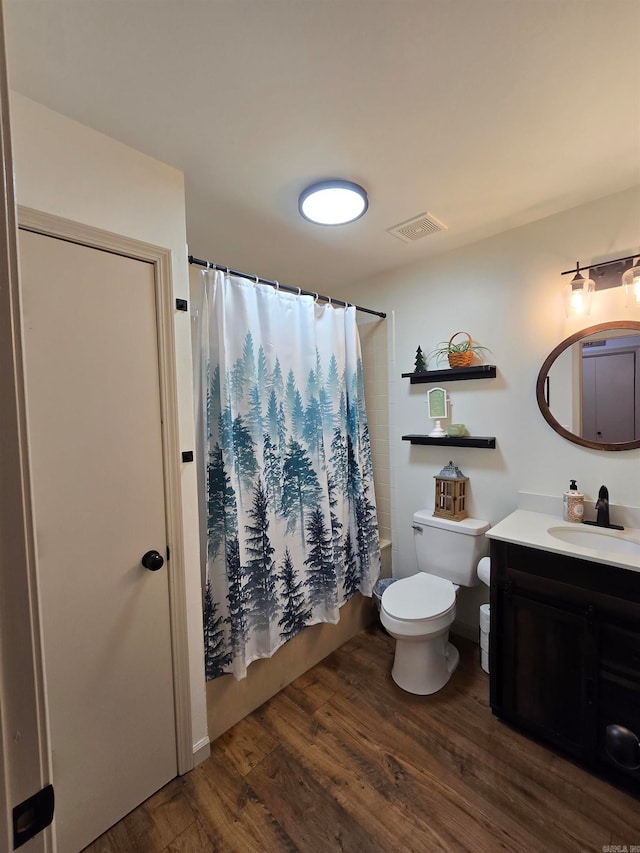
31,816
168,554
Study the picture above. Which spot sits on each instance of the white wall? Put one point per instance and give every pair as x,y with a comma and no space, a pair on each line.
506,292
68,170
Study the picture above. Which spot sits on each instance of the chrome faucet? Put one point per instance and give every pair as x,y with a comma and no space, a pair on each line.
602,509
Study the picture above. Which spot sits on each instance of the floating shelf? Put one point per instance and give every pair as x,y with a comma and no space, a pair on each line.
486,441
453,374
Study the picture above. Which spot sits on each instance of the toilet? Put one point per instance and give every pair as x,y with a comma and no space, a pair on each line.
418,610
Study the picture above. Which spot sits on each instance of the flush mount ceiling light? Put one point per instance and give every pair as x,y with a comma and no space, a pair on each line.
333,202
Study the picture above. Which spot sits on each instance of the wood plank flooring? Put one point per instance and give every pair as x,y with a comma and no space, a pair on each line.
343,760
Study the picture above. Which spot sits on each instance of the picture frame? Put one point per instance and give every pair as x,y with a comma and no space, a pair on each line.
437,402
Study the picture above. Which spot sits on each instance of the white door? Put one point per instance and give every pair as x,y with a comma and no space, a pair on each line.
609,382
94,416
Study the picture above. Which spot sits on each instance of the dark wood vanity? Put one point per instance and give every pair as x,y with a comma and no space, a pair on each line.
565,656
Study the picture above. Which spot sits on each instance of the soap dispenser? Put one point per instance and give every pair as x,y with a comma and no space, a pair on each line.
573,504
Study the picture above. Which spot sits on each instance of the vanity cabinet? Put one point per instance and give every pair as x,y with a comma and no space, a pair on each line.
565,655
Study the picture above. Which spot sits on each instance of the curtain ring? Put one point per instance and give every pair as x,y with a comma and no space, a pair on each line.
257,280
208,263
329,298
299,291
277,283
227,270
315,297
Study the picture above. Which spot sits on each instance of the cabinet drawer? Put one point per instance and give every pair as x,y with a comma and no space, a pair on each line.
620,650
619,698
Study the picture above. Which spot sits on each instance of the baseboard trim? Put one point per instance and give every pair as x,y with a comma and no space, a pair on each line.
201,751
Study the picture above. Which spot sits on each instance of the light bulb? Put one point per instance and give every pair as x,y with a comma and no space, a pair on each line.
577,295
577,302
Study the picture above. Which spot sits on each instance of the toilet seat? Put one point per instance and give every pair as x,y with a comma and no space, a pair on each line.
419,598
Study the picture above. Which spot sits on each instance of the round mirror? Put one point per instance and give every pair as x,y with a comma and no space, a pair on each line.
588,388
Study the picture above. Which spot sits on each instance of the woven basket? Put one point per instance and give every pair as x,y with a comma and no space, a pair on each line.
460,359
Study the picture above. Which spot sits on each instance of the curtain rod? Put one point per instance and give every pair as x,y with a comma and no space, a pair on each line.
297,290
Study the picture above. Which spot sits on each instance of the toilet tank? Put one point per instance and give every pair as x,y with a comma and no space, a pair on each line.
450,549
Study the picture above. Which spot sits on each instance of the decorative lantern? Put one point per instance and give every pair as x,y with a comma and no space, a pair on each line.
451,493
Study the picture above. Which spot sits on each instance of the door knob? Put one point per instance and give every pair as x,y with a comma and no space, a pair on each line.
623,747
153,561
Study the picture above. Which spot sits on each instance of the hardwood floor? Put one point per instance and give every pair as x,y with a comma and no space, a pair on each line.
342,759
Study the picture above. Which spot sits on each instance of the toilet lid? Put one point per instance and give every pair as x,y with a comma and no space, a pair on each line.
420,596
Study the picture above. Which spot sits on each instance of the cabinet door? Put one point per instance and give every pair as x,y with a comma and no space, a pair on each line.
619,701
620,650
549,683
619,725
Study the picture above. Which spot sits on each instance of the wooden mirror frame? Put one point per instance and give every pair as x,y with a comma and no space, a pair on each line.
542,377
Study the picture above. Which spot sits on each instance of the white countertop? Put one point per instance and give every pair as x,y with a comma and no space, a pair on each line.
527,528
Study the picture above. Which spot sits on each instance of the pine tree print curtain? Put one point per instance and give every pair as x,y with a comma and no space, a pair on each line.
291,528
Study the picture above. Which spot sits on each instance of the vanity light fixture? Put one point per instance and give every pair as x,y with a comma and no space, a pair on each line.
334,202
578,293
631,282
616,273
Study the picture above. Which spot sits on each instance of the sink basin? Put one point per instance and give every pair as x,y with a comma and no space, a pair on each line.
599,539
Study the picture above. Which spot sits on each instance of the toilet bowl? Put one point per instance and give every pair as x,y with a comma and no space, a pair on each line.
418,610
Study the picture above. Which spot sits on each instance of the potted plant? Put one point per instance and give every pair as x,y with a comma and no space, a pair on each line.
459,354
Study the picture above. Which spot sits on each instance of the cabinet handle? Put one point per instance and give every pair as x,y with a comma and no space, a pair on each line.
623,747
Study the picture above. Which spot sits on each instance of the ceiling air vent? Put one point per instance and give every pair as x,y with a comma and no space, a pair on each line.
416,228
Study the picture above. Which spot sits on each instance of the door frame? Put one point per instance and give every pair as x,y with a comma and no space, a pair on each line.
25,756
160,258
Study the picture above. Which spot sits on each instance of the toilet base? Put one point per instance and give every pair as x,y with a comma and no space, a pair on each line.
423,666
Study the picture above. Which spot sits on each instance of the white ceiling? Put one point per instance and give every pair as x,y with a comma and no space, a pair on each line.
486,113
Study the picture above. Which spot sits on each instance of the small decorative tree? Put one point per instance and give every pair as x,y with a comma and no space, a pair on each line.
421,366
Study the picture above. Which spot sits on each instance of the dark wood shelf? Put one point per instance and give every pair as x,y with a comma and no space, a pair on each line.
486,441
453,374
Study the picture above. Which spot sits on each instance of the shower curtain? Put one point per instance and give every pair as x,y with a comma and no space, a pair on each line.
289,508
